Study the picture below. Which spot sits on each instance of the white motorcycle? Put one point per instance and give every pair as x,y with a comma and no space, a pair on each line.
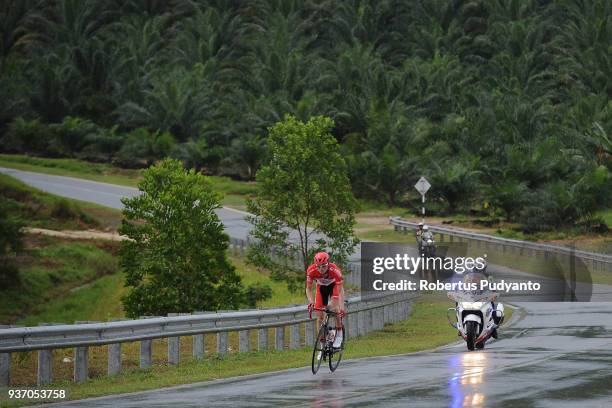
476,320
428,247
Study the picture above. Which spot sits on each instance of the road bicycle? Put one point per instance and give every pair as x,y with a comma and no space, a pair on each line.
324,343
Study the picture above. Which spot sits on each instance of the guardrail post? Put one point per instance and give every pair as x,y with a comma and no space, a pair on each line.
45,367
198,346
174,350
309,332
294,339
262,339
222,343
145,353
114,358
5,369
361,326
352,325
81,363
243,341
279,332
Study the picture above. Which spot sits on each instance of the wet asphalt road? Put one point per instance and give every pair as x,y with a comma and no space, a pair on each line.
554,355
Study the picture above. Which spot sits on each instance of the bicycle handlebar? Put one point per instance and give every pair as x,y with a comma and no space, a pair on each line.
341,313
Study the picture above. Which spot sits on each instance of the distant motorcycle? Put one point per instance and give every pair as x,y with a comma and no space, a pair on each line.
428,247
475,317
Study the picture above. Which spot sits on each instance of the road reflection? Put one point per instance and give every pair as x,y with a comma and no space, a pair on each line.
329,395
466,385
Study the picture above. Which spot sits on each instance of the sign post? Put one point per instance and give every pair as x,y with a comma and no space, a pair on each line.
422,186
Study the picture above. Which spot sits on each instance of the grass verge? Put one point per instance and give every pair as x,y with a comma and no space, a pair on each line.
49,270
72,168
425,328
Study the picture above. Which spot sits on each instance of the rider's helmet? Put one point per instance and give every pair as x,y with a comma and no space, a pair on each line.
420,225
482,268
321,259
425,228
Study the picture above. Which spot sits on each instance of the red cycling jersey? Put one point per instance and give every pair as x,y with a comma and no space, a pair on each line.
334,275
326,287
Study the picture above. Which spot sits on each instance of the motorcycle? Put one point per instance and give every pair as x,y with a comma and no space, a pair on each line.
428,247
476,319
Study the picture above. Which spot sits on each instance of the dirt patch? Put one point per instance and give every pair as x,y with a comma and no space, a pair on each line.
87,234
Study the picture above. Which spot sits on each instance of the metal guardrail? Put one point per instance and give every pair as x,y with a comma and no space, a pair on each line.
597,261
364,315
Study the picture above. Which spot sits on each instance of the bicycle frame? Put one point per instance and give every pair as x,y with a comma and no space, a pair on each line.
327,351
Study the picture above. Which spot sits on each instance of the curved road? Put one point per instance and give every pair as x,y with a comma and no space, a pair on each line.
554,355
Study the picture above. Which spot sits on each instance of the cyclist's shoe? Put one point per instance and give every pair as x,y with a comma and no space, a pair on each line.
338,339
494,333
331,335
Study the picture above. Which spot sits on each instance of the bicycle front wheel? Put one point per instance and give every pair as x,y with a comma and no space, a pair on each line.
336,354
317,352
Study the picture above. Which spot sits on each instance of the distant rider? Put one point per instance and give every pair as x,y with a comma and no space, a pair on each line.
329,284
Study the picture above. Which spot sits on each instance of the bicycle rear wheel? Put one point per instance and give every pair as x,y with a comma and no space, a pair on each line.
317,352
336,354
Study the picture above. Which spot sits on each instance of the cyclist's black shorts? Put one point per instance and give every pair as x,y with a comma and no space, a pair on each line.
326,292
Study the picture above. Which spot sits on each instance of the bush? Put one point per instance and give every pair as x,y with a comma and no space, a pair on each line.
142,148
104,144
69,137
29,137
64,210
257,292
10,245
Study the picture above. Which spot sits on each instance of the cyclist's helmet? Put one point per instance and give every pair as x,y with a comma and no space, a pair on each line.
321,258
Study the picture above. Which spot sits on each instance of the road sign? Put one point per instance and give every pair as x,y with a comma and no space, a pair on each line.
422,186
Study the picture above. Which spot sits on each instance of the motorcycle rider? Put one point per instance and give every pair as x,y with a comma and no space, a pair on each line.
426,235
418,233
482,269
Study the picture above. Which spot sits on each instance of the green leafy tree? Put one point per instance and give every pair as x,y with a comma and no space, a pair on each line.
303,188
175,259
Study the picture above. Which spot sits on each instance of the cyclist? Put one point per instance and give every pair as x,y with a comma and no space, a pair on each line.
329,284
